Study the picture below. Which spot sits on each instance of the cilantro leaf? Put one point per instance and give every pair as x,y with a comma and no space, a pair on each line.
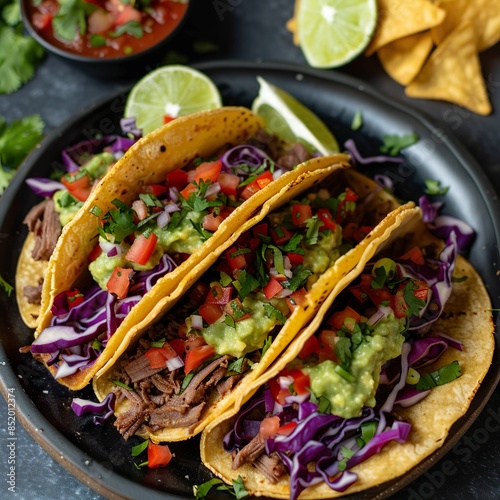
343,350
298,279
293,244
414,304
11,13
274,312
18,57
393,144
71,18
267,345
245,284
122,385
434,188
8,288
313,225
133,28
139,448
357,121
237,489
441,376
236,366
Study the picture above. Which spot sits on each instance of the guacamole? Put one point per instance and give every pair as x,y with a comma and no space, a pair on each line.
347,398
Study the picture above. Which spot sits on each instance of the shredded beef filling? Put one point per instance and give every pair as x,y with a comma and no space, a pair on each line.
33,294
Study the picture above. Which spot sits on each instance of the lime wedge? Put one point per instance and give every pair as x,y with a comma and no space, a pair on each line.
334,32
170,91
291,120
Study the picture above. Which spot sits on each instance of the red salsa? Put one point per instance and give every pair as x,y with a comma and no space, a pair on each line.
105,28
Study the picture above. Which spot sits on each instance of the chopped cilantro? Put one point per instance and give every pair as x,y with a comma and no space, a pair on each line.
357,121
186,381
245,284
237,489
159,343
8,288
236,366
67,200
229,321
96,345
133,28
441,376
343,350
225,279
293,244
197,201
205,235
368,430
150,200
278,259
434,188
97,40
414,304
393,144
71,18
273,312
139,448
313,226
298,279
267,345
241,251
122,385
346,453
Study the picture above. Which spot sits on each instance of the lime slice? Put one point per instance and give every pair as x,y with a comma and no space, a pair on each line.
334,32
291,120
173,91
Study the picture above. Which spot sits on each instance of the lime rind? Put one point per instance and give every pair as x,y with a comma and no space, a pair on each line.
173,90
291,120
334,32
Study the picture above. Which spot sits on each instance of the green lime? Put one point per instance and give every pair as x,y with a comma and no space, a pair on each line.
291,120
170,91
334,32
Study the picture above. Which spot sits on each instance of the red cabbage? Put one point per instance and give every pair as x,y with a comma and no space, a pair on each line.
384,181
83,406
409,396
44,187
353,151
129,126
444,225
425,351
429,210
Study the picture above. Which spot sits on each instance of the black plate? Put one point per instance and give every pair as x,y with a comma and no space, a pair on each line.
97,455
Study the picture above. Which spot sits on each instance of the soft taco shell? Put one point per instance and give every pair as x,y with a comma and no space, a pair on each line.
184,139
373,196
468,310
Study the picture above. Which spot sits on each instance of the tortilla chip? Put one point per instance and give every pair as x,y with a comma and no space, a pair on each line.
404,58
29,272
453,73
483,14
399,19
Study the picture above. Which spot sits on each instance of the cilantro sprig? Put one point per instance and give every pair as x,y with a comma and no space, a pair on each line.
441,376
237,489
7,288
393,144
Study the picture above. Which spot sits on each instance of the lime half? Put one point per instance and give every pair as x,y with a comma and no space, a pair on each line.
291,120
170,91
334,32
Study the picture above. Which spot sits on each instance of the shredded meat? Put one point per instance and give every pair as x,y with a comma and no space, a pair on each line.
163,417
140,369
270,466
43,221
127,423
227,384
250,452
33,294
294,156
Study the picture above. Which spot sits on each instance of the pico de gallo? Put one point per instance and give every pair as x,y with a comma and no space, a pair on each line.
330,408
105,28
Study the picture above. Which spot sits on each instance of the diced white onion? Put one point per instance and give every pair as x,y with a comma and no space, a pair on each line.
196,322
174,363
163,219
285,382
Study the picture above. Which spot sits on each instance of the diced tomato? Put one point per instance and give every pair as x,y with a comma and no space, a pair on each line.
74,298
206,171
41,21
311,346
295,258
272,288
96,251
219,295
325,216
119,281
350,195
254,243
178,345
301,382
190,188
287,429
280,235
264,179
300,213
415,255
337,320
249,190
142,248
297,299
360,294
177,179
261,229
269,427
277,392
99,21
234,259
194,341
196,356
167,119
422,290
210,312
159,455
78,187
212,222
155,357
154,189
127,14
228,183
235,309
327,341
398,304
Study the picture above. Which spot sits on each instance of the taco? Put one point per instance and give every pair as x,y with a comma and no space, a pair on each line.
83,165
164,212
196,360
372,386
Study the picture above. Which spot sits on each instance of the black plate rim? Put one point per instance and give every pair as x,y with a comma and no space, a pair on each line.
116,486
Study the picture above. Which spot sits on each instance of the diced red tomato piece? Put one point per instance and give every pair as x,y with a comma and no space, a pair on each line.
119,281
190,188
74,298
96,251
177,179
415,255
228,183
167,119
154,189
297,299
280,235
234,259
196,356
311,346
219,295
261,229
398,304
295,258
287,429
337,320
79,187
300,213
142,248
326,217
301,382
327,341
212,222
350,195
210,312
159,455
360,294
178,345
249,190
264,179
422,290
100,21
155,357
194,341
272,288
235,309
127,14
277,392
206,171
269,427
41,21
